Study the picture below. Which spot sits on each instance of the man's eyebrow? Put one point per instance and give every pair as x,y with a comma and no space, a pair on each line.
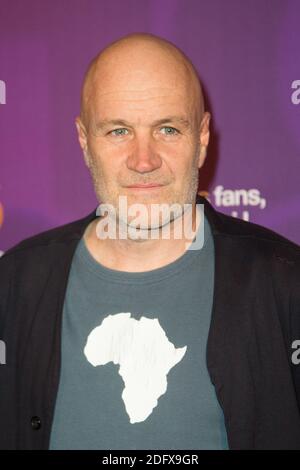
120,122
176,119
110,122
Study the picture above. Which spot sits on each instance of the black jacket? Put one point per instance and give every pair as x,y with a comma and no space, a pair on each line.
255,319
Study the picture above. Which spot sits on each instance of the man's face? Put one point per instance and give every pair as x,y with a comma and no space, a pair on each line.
142,131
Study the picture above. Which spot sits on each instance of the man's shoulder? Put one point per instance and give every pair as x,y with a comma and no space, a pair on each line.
227,225
239,227
60,234
249,236
253,235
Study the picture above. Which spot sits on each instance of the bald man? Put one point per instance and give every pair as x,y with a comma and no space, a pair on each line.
142,122
119,337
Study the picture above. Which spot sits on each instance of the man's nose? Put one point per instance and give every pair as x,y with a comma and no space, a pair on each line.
144,156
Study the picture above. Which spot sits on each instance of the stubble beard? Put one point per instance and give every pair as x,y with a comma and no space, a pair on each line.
187,197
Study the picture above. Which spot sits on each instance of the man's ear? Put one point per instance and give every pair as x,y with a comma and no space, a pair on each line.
82,138
203,138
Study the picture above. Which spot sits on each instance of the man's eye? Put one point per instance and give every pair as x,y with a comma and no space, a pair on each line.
118,132
169,130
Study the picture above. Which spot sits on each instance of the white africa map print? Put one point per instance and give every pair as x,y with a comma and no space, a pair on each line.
145,356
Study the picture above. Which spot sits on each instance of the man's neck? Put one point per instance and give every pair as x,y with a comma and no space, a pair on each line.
144,254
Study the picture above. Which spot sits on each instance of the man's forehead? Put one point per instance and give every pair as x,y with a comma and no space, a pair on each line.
142,81
150,101
143,98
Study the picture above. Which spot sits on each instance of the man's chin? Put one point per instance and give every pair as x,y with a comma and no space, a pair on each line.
147,224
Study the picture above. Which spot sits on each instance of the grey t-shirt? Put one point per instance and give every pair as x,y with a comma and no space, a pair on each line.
133,370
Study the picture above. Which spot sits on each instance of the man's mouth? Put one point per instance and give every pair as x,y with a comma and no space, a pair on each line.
143,187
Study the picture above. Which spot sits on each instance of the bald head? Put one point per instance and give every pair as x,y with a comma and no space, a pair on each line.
142,121
132,61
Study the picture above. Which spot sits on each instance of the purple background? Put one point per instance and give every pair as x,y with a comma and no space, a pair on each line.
246,52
